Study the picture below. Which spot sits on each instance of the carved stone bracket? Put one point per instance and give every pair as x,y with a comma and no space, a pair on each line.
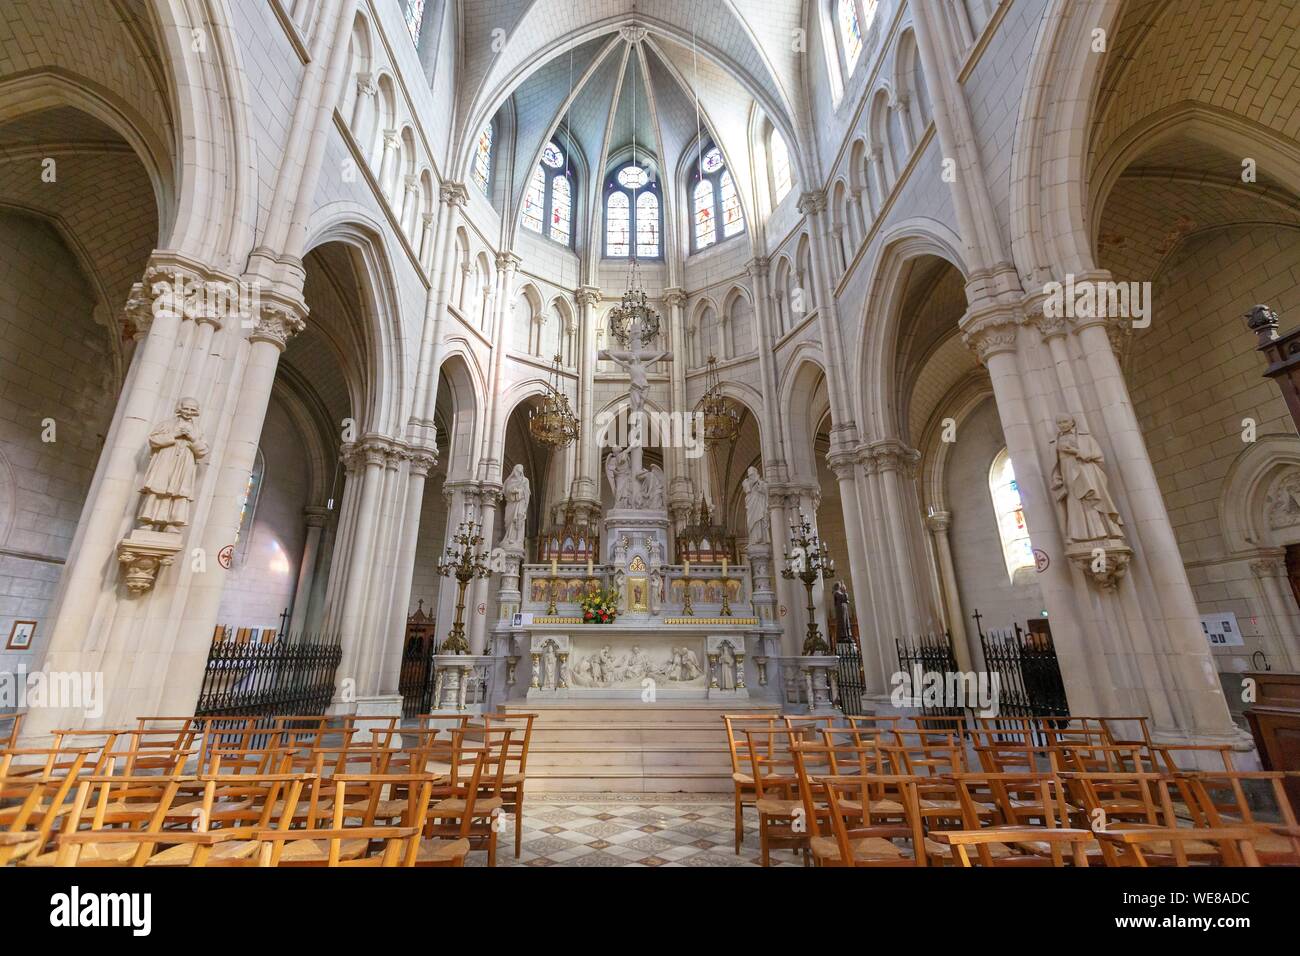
1103,562
143,553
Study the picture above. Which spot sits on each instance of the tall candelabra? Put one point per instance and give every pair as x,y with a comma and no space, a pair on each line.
465,561
808,560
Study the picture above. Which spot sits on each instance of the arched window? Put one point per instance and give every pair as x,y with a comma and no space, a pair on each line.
548,204
715,202
633,213
414,13
481,172
850,28
1010,513
781,182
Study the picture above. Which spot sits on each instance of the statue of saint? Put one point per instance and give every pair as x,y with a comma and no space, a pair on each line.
517,494
1081,488
727,668
176,447
549,662
618,470
843,629
756,515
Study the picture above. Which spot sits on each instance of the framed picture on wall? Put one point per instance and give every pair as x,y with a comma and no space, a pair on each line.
20,635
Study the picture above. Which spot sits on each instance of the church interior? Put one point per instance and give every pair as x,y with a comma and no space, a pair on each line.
649,433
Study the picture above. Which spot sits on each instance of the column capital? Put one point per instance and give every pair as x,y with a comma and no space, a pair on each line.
1269,566
586,295
990,331
842,463
315,516
508,262
812,202
453,193
277,322
366,84
758,267
890,454
939,521
674,297
392,140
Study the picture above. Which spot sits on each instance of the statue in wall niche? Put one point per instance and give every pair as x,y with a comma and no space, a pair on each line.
517,494
548,667
727,668
176,448
1081,488
756,513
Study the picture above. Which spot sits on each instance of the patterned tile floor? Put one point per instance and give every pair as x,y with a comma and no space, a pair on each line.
642,829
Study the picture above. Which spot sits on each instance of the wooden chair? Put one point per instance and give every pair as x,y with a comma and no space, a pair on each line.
863,835
776,782
10,725
446,841
362,844
1223,799
32,808
1026,830
484,810
742,774
512,785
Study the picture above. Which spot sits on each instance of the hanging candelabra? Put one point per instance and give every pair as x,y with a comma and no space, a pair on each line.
808,560
464,561
720,415
553,423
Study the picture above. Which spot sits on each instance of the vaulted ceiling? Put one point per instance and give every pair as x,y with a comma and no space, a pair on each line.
615,73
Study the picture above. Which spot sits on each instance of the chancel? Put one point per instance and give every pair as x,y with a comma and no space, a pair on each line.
636,432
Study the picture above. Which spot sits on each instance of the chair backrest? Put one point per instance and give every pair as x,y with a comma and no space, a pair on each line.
772,761
867,805
10,724
854,750
812,763
522,725
736,743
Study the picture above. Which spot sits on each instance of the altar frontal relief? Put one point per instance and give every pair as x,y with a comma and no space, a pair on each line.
677,664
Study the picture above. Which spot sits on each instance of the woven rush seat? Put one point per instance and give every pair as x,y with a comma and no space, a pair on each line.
183,853
456,806
318,851
865,848
441,851
776,807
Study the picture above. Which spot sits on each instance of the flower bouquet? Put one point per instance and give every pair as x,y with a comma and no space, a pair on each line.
599,606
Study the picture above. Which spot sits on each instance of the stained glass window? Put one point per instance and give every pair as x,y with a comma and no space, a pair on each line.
618,224
647,226
414,14
561,208
706,233
635,212
482,169
733,221
850,33
715,202
781,182
1010,514
548,204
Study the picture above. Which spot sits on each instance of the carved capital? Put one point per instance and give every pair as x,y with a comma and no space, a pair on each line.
422,461
366,85
587,295
507,261
812,202
1268,567
453,194
842,463
939,521
315,517
277,323
991,337
674,297
758,267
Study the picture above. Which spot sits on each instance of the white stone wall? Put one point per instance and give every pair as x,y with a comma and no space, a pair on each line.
54,364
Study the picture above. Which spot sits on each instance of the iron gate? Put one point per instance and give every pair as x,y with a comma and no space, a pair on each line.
851,681
929,654
280,676
1029,675
416,681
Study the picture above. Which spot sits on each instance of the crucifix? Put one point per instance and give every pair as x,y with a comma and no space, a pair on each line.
635,360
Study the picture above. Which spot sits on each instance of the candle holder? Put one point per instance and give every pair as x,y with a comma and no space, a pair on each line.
726,597
811,561
553,590
686,596
464,561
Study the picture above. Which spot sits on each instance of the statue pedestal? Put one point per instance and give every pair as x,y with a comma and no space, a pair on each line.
142,553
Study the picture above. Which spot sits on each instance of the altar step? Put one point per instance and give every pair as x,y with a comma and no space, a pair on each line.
630,747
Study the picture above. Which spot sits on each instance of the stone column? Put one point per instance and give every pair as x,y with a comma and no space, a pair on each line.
476,594
363,105
1270,573
314,518
938,523
426,241
860,572
586,485
388,164
857,212
410,203
680,486
774,464
493,452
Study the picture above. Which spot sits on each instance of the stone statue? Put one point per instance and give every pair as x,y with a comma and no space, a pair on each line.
1080,486
517,495
549,662
634,485
176,447
756,514
727,668
618,470
843,629
651,488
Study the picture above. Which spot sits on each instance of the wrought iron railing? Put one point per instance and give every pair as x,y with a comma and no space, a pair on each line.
1029,674
415,682
932,654
283,676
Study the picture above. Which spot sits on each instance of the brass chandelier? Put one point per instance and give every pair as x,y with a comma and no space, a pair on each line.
634,313
720,414
553,422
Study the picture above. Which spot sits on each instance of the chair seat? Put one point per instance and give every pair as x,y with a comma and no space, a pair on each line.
777,808
22,849
442,851
318,851
864,849
998,851
384,809
454,806
512,780
742,779
182,854
115,853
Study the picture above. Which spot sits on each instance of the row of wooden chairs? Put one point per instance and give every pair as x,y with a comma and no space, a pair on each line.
288,791
881,791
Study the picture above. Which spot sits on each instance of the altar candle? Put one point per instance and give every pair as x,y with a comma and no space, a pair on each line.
687,568
589,566
555,566
724,566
